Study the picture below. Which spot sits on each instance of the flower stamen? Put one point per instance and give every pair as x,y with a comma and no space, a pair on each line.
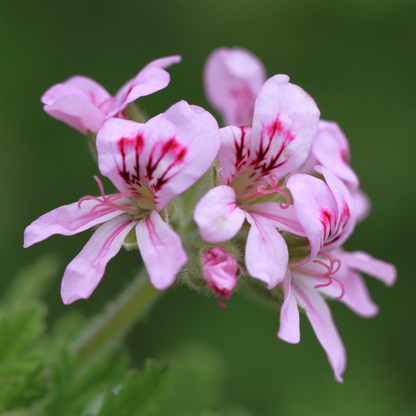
274,188
332,268
106,201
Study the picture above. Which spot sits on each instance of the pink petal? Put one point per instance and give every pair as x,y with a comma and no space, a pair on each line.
77,112
266,251
161,249
150,79
284,219
284,126
289,330
365,263
332,151
217,216
320,318
165,62
356,295
84,273
68,220
232,80
315,206
362,204
145,83
78,85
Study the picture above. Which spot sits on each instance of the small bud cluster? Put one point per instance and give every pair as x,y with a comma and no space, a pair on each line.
283,192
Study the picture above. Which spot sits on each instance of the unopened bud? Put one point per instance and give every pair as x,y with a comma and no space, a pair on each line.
220,271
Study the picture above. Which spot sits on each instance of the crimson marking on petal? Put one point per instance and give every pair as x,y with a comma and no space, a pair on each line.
171,148
269,133
125,146
333,226
240,156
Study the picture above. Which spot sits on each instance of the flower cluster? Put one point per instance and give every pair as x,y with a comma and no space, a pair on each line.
282,193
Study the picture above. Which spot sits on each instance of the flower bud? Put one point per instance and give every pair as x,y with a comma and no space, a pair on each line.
220,272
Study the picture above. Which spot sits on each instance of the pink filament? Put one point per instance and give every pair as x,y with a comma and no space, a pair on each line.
274,187
106,201
332,268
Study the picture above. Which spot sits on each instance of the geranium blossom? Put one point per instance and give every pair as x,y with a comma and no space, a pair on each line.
232,80
85,105
326,212
149,164
252,161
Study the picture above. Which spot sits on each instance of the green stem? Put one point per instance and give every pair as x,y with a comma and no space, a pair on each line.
114,322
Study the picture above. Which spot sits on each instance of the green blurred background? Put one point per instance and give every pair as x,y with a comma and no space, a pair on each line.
355,57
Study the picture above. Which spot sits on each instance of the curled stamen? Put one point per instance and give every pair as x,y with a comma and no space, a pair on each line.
274,188
106,201
332,268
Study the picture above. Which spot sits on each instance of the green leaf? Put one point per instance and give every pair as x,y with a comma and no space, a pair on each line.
32,281
139,395
195,379
20,327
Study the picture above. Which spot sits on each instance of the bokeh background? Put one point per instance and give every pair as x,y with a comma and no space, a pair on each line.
355,57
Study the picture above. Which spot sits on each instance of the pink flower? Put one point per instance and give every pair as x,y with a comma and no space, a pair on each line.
220,271
149,164
326,211
252,162
85,105
232,79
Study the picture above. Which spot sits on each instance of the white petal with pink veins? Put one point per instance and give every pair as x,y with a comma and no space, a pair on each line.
161,249
217,216
84,273
68,220
266,254
284,126
321,320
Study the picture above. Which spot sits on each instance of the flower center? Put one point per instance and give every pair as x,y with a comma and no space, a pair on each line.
110,201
